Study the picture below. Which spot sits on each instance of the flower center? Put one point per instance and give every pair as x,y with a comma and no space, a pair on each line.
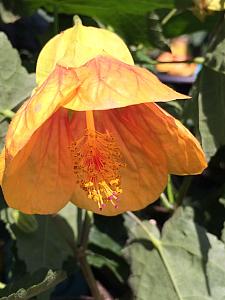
97,161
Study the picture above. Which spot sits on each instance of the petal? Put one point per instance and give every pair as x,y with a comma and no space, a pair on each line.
2,164
183,152
145,175
40,178
107,83
77,45
47,99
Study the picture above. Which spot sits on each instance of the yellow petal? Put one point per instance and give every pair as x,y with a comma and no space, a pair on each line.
214,5
77,45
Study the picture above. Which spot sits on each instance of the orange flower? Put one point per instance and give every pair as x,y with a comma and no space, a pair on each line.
179,48
90,133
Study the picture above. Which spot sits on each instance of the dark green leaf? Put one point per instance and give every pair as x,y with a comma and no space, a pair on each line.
106,247
185,22
15,83
128,18
99,7
215,57
189,263
156,34
209,96
32,285
48,247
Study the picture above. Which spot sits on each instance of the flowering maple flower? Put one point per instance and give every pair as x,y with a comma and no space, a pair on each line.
91,134
179,52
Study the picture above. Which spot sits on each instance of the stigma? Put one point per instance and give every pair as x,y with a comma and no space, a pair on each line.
97,162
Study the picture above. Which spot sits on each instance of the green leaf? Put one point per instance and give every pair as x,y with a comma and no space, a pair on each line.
209,97
157,38
48,247
32,285
215,57
105,252
105,247
128,18
3,129
69,213
15,83
99,7
185,22
188,262
223,234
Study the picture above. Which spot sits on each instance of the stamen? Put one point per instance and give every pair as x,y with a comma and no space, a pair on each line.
97,161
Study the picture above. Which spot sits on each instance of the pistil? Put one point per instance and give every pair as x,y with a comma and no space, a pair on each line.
97,162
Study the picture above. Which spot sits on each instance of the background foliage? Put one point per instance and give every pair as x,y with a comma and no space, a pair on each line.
173,249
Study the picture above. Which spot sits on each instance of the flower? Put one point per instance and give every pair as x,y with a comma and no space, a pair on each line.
91,134
179,49
207,5
202,8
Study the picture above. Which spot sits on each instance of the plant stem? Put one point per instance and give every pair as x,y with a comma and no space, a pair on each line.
88,274
166,202
86,229
169,16
56,19
183,189
82,255
79,224
170,192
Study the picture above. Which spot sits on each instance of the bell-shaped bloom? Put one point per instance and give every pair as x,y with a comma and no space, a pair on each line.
91,132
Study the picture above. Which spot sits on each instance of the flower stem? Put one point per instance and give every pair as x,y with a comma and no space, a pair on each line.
79,224
183,189
170,192
82,255
166,203
56,19
88,274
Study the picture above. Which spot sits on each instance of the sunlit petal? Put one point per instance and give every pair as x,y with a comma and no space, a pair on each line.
183,151
107,83
145,174
38,179
77,45
46,100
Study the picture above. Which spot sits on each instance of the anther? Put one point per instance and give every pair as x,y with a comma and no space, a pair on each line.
97,163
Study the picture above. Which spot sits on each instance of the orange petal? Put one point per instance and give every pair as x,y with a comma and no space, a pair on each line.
107,83
144,177
40,178
54,92
183,152
2,164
